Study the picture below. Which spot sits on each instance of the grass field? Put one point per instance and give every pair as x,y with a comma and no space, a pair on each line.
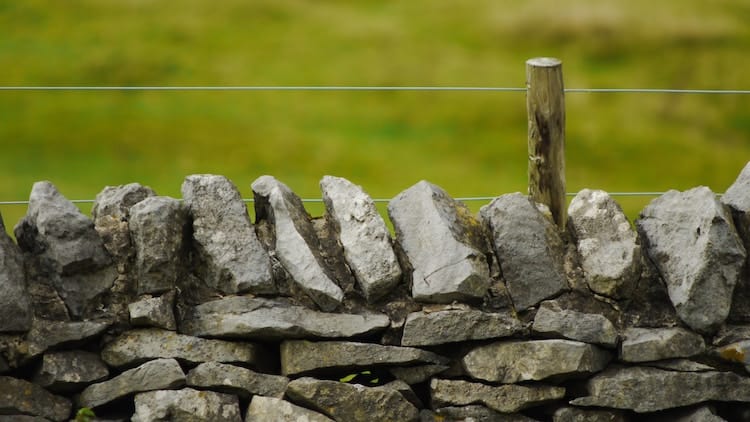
471,144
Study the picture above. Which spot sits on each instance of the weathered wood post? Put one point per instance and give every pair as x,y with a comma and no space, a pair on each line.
545,107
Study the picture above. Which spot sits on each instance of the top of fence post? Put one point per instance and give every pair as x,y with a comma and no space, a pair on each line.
545,107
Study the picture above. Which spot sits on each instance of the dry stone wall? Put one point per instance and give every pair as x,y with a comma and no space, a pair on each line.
158,309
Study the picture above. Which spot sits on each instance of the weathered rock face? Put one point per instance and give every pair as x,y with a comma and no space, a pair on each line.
236,380
232,259
431,328
273,409
115,201
363,235
71,370
552,320
505,398
34,401
650,344
351,402
575,414
46,335
15,304
737,198
608,247
154,312
444,243
474,412
295,243
529,249
186,405
691,239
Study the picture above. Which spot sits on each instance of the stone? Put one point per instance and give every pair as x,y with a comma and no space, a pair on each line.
154,312
608,247
681,365
363,235
295,242
471,413
650,344
22,397
115,201
71,263
431,328
137,346
552,320
445,244
263,409
515,361
69,370
303,357
257,318
232,259
737,199
644,389
157,227
691,239
351,402
528,247
738,352
157,374
15,303
186,405
416,374
45,335
503,398
700,414
236,380
574,414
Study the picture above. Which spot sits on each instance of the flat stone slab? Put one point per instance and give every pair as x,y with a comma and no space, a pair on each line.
416,374
137,346
256,318
503,398
552,320
46,334
431,328
22,397
516,361
186,405
301,356
650,344
274,409
236,380
576,414
472,413
70,370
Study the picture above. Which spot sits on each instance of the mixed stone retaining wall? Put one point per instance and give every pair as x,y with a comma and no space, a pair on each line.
158,309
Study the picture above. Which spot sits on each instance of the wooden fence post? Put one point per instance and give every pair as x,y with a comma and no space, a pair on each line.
545,107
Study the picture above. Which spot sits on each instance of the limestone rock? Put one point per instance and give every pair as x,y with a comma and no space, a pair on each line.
236,380
352,402
574,414
471,413
115,201
738,352
650,344
416,374
504,398
737,198
681,365
699,414
15,303
645,389
232,258
691,239
431,328
257,318
295,243
515,361
263,409
553,321
157,227
529,248
45,335
154,312
608,247
363,236
153,375
301,356
22,397
186,405
444,243
136,346
70,370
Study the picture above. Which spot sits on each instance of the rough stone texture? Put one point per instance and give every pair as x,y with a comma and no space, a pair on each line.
136,346
256,318
574,414
232,258
157,227
472,413
645,389
608,247
154,312
263,409
301,356
737,198
352,402
416,374
682,365
649,344
514,361
295,243
236,380
115,201
153,375
691,239
551,320
50,334
700,414
23,397
186,405
71,263
15,303
431,328
70,370
504,398
529,248
444,243
363,235
738,352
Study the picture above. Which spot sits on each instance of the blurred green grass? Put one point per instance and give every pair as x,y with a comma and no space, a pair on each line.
470,143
